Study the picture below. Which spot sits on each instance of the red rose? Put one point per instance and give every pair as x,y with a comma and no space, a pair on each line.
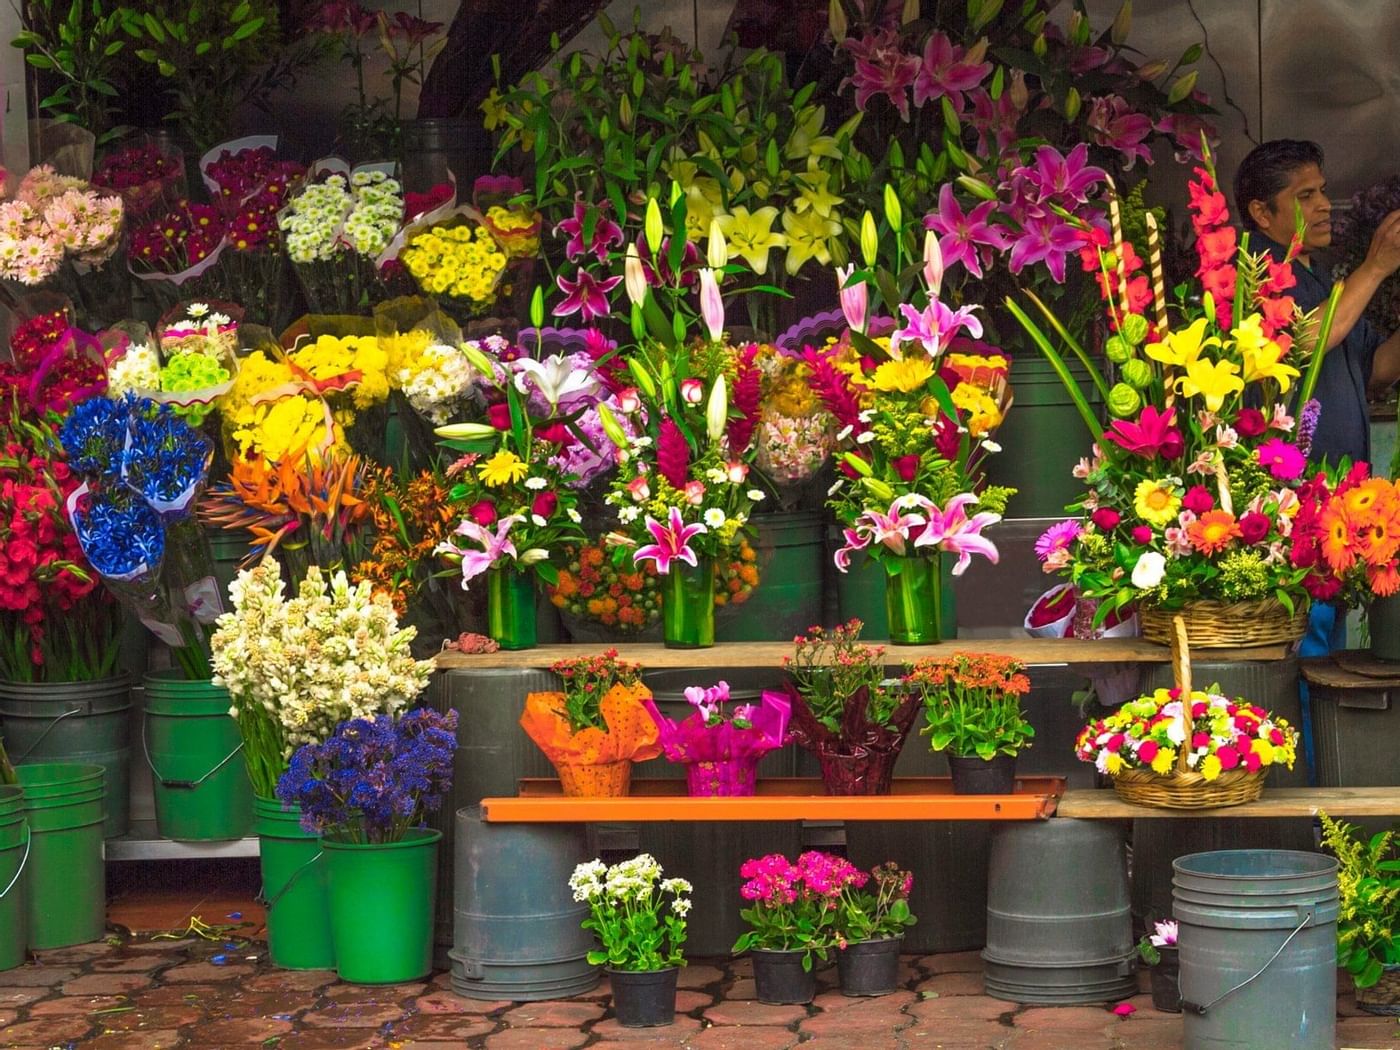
1250,422
1254,527
555,433
1198,500
499,416
1142,535
1172,444
545,504
1106,518
906,467
483,512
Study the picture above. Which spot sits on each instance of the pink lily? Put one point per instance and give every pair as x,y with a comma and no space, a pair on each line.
951,530
996,120
495,546
711,305
931,326
1045,238
606,233
964,233
855,541
882,68
1068,177
945,71
672,542
893,528
586,296
855,299
1114,124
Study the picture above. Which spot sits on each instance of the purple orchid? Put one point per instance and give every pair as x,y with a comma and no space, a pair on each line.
963,233
606,233
1070,178
882,68
494,546
672,542
931,326
1045,238
586,295
951,530
946,72
1117,126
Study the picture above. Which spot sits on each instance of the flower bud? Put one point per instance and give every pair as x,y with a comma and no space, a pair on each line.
717,411
717,252
629,400
634,276
1117,349
933,263
611,427
869,239
1123,401
465,431
653,228
1137,373
692,391
894,214
711,305
533,555
855,300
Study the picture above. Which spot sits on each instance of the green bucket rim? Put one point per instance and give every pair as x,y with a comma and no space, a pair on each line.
81,798
189,706
77,773
415,838
41,691
11,797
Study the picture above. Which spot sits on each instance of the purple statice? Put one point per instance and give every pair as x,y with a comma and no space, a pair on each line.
374,779
1307,426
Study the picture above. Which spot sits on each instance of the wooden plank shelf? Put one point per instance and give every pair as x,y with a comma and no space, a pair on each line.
1104,804
779,798
1042,651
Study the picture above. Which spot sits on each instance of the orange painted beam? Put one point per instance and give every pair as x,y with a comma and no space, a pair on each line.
652,801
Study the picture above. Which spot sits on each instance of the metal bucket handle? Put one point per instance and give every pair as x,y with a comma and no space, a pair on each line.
1197,1008
267,903
28,843
83,708
182,785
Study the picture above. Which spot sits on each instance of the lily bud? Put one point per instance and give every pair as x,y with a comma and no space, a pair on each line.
1019,93
910,12
533,555
1150,71
893,212
836,20
857,464
869,239
717,411
878,488
477,359
855,300
976,52
1072,104
711,305
611,427
653,228
717,252
634,275
1122,24
933,263
642,376
537,307
465,431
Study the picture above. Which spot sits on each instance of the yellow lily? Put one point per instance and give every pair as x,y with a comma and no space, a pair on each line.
1212,380
1261,355
750,235
807,236
702,200
814,193
807,139
1182,347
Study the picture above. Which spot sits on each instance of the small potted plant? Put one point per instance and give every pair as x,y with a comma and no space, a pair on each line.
792,919
596,727
721,751
1158,950
870,927
846,712
1367,946
639,920
972,706
367,791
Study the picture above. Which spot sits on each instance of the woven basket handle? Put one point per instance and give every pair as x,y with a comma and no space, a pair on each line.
1181,671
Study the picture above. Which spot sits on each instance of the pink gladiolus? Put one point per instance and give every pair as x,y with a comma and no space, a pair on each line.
711,305
672,542
855,300
951,530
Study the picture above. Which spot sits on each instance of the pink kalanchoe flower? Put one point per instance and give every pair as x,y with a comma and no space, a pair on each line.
965,233
945,72
606,233
882,68
494,546
586,295
672,542
855,299
951,530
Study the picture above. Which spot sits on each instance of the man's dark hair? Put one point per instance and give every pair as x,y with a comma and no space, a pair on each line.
1267,169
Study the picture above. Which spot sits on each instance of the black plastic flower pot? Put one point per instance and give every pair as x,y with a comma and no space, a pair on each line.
869,967
779,978
645,999
1166,986
982,776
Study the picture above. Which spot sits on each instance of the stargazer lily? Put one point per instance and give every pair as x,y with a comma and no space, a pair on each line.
950,529
672,542
494,546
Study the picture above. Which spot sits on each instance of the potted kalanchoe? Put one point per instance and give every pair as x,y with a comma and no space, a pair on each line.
721,750
870,924
1158,950
596,726
367,791
639,919
972,710
793,920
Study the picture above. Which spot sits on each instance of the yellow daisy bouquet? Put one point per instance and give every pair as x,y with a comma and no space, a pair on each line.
341,360
270,414
457,259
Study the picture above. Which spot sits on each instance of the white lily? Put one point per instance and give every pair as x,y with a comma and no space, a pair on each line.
555,378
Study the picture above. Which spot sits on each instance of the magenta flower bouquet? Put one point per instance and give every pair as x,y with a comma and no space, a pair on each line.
721,751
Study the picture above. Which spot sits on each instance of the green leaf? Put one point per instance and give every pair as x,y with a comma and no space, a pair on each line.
248,28
203,47
547,572
240,12
40,61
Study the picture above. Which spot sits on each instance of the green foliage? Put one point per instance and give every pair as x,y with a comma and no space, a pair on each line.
79,44
867,914
1368,877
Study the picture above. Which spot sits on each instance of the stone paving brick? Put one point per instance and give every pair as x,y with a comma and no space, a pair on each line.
952,984
976,1008
290,981
534,1039
440,1026
77,1005
107,984
374,993
244,1031
688,1002
353,1015
1058,1018
207,971
332,1039
726,1037
164,995
48,1030
952,962
142,1040
73,954
38,976
752,1012
560,1013
20,996
672,1035
440,1002
1062,1039
127,964
258,1004
698,976
153,1017
860,1017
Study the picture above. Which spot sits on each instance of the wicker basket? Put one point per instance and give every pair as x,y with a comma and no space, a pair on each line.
1383,997
1183,787
1216,625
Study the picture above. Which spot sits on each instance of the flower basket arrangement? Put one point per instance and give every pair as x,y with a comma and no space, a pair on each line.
721,751
596,727
1185,749
639,919
1370,906
1193,488
972,711
846,712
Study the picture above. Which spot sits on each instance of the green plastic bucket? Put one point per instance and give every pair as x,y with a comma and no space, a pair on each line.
14,897
67,880
382,899
228,547
201,786
294,889
1042,438
85,722
788,598
861,595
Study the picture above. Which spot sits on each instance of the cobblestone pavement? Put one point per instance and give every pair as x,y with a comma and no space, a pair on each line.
138,993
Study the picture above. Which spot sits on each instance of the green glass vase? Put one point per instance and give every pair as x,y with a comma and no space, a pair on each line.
688,605
914,600
510,607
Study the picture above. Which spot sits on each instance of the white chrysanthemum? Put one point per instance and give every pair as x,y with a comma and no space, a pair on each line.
136,370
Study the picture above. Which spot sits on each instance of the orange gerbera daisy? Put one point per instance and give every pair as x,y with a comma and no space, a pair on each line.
1378,540
1362,498
1337,549
1384,579
1213,531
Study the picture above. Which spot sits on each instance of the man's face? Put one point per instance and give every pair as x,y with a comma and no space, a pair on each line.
1306,189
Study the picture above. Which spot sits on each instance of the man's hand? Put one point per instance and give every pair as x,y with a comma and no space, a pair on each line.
1384,253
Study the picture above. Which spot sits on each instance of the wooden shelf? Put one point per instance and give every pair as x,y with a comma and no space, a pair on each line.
778,798
1042,651
1104,804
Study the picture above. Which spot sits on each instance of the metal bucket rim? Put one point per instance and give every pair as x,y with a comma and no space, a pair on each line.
1319,865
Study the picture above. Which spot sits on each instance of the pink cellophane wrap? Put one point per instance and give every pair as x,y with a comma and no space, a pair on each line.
723,759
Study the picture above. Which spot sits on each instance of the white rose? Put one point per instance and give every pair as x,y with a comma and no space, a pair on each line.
1149,570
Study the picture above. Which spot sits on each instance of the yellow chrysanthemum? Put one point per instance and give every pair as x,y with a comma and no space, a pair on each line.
980,413
905,375
1113,763
1155,502
1210,767
1163,761
502,469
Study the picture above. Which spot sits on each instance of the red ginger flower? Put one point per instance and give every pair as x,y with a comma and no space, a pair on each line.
746,396
672,454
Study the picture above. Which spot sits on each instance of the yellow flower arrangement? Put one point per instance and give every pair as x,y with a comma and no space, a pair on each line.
404,350
516,229
983,414
463,262
292,425
330,357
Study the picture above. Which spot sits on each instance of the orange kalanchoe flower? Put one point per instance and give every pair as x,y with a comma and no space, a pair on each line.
1213,531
